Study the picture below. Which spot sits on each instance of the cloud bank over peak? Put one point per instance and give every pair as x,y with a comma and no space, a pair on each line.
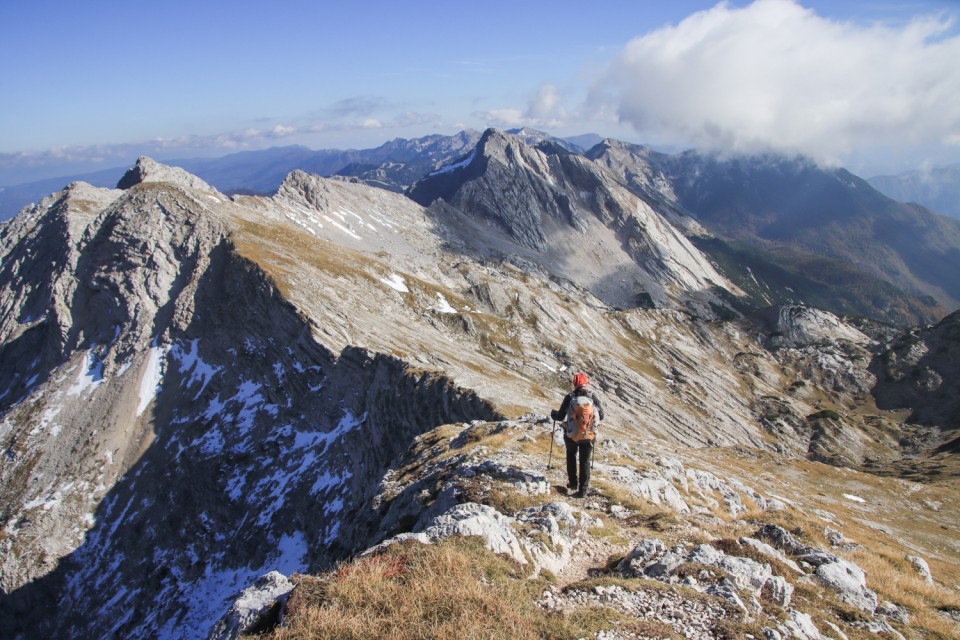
545,109
774,75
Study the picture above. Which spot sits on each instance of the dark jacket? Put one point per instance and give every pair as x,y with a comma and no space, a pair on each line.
561,413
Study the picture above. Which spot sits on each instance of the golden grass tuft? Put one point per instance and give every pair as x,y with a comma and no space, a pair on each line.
453,589
894,579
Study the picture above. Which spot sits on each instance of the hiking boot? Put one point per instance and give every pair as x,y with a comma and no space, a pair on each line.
582,493
572,485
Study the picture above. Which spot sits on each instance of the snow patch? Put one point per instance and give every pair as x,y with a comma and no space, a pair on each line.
152,377
193,365
443,305
304,457
46,418
342,227
91,375
395,281
456,165
853,498
291,553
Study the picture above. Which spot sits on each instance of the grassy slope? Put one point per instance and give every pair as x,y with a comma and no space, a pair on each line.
458,589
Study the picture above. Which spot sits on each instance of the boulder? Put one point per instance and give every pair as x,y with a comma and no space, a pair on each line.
255,608
851,583
562,524
727,589
778,590
746,573
646,553
800,626
771,552
472,519
922,568
783,540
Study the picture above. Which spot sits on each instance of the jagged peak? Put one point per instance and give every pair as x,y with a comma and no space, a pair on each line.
505,147
612,145
149,170
495,137
312,189
294,178
298,183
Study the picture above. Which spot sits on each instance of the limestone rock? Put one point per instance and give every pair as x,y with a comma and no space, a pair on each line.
747,573
256,607
768,550
797,326
471,519
784,540
149,170
777,589
922,568
643,555
850,581
894,612
800,626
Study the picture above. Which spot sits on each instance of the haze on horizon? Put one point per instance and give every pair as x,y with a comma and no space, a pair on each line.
870,85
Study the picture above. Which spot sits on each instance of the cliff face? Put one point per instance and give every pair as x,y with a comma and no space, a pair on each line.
919,371
576,218
197,390
181,429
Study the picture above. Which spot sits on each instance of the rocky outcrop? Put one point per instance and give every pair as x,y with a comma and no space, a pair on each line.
149,170
797,326
256,608
701,587
920,371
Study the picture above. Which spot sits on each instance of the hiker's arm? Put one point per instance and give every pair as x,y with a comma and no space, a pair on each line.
561,413
596,402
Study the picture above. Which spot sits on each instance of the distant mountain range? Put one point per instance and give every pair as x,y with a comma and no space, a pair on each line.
831,228
262,172
937,189
782,230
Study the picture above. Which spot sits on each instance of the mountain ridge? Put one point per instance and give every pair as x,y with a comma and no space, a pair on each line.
841,245
937,188
227,381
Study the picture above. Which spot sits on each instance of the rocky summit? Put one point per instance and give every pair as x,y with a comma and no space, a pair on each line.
210,403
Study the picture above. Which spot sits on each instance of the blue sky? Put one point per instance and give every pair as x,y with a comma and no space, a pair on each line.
870,84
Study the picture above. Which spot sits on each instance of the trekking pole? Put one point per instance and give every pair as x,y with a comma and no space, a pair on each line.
593,445
552,434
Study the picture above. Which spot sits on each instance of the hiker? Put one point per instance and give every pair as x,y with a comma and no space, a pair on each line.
581,411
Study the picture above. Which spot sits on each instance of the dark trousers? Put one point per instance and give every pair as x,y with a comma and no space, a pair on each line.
583,448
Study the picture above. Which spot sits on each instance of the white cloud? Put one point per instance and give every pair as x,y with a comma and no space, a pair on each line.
281,130
545,109
774,75
547,104
507,118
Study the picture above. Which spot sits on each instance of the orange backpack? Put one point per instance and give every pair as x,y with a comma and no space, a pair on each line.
581,419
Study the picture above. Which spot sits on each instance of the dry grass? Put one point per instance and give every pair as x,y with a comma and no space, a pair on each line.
282,251
894,579
454,589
